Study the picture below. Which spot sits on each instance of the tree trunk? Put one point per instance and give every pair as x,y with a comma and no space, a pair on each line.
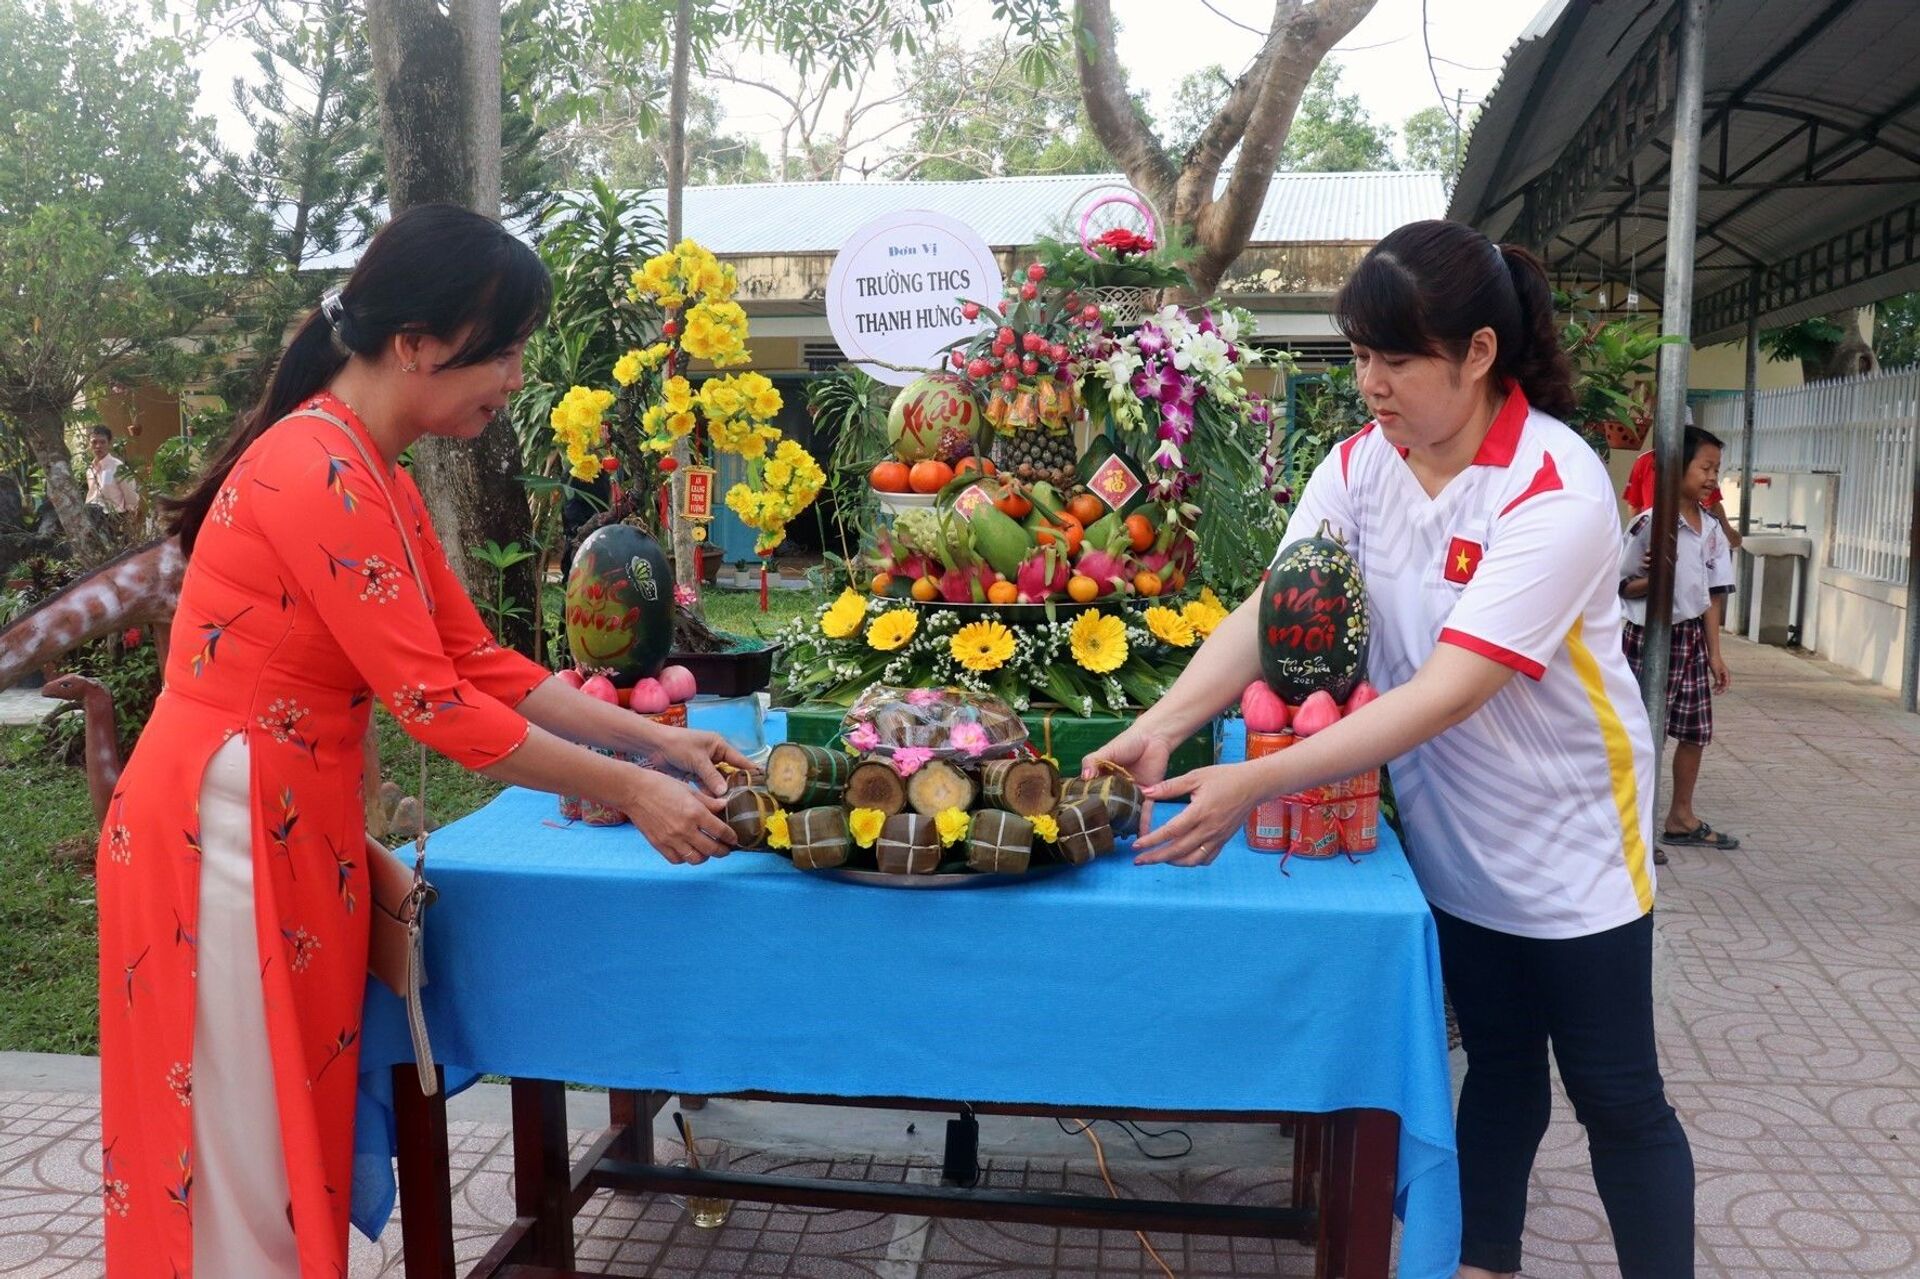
438,79
44,427
686,570
1851,356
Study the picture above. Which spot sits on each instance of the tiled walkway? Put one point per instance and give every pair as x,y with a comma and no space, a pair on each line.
1790,1022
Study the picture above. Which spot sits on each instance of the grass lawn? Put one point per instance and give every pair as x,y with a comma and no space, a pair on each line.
47,835
738,612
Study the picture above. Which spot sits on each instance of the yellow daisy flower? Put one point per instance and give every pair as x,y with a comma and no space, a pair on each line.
777,834
627,369
1170,627
1202,617
891,630
864,825
982,646
952,825
1044,827
843,619
1099,642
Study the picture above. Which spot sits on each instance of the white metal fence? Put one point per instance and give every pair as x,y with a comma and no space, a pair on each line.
1862,429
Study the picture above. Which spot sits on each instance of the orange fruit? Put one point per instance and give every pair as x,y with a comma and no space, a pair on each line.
967,466
889,477
1014,506
1002,593
881,581
1082,589
1148,583
986,464
1069,533
929,476
925,589
1086,508
1140,531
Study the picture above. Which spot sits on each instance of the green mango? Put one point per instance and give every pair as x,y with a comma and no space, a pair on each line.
1046,499
1000,539
1105,530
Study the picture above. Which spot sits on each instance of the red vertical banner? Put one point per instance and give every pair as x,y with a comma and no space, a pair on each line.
697,504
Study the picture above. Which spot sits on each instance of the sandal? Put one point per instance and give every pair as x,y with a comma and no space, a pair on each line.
1701,836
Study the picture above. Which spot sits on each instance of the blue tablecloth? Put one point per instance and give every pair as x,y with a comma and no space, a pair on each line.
576,954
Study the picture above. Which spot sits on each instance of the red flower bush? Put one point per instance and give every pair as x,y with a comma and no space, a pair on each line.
1125,243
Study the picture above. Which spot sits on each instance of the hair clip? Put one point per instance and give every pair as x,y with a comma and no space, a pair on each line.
332,307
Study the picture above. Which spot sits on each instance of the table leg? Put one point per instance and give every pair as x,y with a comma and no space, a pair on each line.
1356,1212
1309,1145
426,1179
542,1172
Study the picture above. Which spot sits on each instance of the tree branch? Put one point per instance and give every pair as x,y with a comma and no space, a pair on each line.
1110,109
1306,34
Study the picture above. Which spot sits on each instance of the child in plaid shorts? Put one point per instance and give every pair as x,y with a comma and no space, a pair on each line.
1702,579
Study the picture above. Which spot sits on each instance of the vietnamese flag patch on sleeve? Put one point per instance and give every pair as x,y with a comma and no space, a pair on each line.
1463,560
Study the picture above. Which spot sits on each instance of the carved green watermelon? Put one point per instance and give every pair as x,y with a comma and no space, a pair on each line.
925,410
1313,621
620,604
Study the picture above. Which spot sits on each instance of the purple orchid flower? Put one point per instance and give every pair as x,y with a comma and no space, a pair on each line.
1176,421
1151,340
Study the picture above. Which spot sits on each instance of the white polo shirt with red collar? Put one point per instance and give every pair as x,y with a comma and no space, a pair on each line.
1535,815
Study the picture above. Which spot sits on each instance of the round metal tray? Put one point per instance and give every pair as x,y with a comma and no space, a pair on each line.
964,879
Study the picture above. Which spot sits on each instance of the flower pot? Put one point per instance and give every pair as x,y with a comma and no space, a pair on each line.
710,560
1621,435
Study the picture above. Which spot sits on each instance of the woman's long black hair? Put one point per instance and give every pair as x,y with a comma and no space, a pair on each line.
436,269
1429,286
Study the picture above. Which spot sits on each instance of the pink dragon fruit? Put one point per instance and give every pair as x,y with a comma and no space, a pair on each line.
1041,575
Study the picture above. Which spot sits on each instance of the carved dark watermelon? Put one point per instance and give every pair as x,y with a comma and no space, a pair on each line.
1313,622
620,604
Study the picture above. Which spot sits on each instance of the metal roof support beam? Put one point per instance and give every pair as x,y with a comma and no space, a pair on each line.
1820,162
1676,320
1877,246
1748,407
1617,118
1637,106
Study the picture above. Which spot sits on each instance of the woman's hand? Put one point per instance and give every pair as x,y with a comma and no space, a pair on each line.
682,824
1219,800
695,752
1143,754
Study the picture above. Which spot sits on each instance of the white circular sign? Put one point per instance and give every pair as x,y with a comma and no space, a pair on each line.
894,292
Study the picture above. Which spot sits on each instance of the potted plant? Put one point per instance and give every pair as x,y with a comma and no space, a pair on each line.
1613,364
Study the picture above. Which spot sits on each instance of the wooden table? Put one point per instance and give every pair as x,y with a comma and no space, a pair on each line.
1341,1205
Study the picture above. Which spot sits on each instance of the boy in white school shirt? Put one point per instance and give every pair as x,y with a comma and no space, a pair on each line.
1702,578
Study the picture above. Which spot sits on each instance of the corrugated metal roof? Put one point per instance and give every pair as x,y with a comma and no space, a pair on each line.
817,217
1837,83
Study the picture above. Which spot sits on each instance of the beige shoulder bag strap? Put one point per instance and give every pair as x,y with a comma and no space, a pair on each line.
395,947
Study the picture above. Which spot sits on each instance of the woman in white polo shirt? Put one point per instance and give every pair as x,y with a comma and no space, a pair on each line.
1488,539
